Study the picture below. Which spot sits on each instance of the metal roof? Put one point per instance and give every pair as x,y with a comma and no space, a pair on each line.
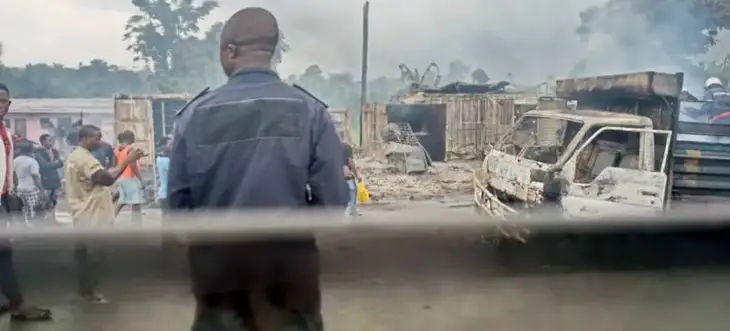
63,106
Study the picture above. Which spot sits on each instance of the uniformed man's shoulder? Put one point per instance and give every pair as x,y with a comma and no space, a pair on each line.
302,92
192,101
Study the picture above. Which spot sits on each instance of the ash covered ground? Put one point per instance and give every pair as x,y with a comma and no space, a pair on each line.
444,181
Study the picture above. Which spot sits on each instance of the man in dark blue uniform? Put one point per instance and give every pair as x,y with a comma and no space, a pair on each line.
255,142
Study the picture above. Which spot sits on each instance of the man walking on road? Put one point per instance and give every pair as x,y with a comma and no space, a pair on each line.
91,204
130,182
255,142
49,160
8,280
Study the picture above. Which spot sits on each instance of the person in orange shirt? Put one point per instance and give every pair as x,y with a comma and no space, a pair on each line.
130,181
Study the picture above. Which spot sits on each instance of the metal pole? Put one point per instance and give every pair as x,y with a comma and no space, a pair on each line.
364,70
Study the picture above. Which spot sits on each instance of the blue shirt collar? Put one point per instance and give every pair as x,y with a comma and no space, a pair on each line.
255,74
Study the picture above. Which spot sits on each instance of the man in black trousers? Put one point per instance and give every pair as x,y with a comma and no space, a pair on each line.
255,142
9,206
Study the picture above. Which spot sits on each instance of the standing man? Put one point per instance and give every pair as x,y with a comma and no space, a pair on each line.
49,160
30,189
91,204
713,86
253,143
105,154
163,168
72,137
162,164
8,280
130,181
352,178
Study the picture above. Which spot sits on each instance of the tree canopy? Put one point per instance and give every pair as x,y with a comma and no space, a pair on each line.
178,54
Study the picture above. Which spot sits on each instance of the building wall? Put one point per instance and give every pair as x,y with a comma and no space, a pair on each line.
32,128
474,122
374,119
342,121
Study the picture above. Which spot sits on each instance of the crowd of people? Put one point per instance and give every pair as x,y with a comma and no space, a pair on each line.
38,172
37,175
32,179
253,142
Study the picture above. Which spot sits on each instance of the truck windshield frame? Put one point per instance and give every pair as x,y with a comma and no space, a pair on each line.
540,138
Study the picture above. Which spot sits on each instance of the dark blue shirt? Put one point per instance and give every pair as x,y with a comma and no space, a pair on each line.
255,142
105,154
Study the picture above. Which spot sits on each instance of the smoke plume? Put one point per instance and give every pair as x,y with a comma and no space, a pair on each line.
636,35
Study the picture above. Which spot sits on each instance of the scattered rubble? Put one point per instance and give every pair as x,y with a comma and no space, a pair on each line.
386,183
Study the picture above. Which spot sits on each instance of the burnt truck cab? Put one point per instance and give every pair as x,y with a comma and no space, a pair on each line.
609,156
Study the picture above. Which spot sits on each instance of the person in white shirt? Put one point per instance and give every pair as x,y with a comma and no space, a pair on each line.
29,188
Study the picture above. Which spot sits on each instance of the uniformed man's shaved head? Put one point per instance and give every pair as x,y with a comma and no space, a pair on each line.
250,32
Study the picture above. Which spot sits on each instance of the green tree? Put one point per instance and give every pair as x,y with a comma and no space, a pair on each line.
97,79
196,62
161,30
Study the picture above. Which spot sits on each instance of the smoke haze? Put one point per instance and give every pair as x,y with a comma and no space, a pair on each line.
529,39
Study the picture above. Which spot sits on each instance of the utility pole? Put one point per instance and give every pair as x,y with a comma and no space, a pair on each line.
364,69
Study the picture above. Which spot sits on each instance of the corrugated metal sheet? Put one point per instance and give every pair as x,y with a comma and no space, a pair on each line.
163,116
136,115
473,121
423,124
63,106
374,119
701,168
341,119
701,157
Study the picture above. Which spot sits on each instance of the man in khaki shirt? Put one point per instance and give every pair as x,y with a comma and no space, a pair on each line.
90,203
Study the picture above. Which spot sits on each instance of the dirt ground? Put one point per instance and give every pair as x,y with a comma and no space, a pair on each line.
440,182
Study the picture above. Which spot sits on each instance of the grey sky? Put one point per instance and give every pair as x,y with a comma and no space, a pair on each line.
528,38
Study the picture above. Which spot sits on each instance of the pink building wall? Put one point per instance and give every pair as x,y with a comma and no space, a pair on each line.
33,128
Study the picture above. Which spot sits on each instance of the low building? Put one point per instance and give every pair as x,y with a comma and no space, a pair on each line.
30,118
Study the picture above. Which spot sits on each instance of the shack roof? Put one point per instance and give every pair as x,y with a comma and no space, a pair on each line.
639,84
466,88
63,106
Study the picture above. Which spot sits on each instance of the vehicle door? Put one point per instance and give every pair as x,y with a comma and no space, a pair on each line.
616,172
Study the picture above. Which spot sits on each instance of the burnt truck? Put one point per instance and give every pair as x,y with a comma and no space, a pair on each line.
630,147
